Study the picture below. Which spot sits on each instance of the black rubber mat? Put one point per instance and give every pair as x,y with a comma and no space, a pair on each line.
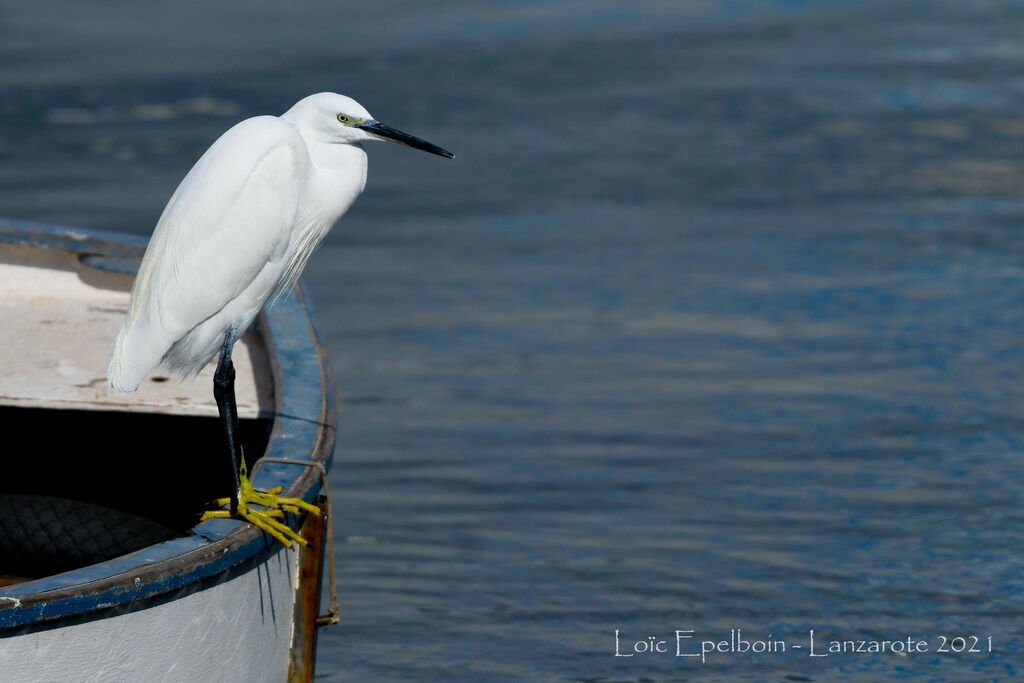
43,535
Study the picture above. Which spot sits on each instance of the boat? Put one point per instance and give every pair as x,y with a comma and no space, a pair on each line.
104,572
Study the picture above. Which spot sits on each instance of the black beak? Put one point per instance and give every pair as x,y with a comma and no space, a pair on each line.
383,131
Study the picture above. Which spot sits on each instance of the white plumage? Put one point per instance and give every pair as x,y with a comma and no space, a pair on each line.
240,226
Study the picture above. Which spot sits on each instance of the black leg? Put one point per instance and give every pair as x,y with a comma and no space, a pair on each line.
224,394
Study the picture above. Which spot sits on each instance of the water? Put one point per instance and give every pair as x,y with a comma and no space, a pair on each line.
713,323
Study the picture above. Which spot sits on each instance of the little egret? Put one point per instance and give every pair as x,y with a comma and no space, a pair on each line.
236,232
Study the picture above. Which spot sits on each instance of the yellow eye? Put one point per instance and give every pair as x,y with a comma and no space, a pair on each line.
343,118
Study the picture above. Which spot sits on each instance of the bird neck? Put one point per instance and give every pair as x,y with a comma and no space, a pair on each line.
337,178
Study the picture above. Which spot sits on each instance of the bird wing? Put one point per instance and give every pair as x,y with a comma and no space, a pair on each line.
230,218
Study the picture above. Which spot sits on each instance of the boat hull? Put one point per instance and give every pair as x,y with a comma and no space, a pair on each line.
221,601
237,627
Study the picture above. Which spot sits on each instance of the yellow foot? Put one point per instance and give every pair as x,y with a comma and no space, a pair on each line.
267,520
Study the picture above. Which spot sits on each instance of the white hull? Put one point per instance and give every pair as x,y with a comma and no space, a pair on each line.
238,630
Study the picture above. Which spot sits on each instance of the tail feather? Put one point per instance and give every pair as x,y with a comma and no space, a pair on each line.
133,358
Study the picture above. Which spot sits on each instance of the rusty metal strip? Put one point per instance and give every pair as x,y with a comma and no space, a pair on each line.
333,615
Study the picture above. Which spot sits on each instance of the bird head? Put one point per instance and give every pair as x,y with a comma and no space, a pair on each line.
339,119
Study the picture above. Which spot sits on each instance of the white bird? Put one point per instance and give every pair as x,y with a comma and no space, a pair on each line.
237,231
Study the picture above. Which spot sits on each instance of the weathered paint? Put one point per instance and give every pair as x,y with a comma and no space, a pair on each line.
236,629
157,578
48,297
307,600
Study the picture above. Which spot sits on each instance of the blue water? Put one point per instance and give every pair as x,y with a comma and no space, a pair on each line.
715,322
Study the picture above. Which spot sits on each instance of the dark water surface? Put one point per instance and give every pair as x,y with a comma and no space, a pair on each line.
715,321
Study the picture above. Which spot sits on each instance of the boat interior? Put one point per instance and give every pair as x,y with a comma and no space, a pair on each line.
88,474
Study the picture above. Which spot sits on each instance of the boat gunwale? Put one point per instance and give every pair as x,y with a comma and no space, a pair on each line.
136,580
